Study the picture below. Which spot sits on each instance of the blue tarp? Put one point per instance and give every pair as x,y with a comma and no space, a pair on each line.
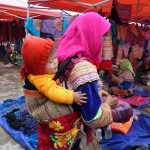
18,135
142,93
139,134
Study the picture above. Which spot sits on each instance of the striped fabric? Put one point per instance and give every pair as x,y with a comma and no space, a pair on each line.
119,54
135,50
126,48
126,76
122,32
140,52
122,113
41,108
82,73
104,120
107,51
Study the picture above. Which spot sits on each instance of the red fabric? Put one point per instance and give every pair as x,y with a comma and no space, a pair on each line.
122,127
135,100
96,64
124,11
106,65
44,131
35,54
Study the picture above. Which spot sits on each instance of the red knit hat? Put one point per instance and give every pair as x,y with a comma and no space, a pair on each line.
35,55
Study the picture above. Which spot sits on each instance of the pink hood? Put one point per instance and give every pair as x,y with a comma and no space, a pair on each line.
84,37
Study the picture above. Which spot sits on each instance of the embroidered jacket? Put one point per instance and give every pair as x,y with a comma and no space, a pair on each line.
65,127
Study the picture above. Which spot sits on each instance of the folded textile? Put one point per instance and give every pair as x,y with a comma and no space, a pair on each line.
135,100
122,127
17,135
9,106
22,121
122,112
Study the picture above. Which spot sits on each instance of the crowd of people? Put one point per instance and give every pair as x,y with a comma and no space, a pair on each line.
66,98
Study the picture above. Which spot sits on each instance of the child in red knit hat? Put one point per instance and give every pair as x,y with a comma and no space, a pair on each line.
40,66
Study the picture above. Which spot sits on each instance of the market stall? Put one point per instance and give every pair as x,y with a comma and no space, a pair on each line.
18,10
140,8
12,19
137,130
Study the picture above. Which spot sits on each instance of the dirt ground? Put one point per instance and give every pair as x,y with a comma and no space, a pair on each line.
10,87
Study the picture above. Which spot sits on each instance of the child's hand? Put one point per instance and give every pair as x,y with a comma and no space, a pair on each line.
103,93
113,78
111,101
79,98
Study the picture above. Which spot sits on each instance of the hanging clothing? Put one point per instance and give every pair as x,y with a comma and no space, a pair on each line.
29,25
107,49
47,26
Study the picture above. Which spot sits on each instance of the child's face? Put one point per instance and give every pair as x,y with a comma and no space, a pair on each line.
52,65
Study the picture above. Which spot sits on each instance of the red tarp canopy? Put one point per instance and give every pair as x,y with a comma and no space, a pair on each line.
14,9
140,8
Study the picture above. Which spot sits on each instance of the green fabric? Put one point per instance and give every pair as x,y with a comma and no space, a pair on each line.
126,65
99,113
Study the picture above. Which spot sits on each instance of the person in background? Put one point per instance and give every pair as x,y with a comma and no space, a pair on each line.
107,54
5,55
8,49
124,80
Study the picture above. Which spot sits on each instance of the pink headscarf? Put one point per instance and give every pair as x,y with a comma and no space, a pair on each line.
83,38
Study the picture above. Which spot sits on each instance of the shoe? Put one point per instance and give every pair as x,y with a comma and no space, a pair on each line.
148,83
98,133
107,132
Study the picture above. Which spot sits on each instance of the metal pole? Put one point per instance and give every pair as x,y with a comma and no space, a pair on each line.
92,5
12,14
28,10
28,15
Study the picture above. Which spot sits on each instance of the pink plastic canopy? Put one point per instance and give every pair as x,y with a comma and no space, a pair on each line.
15,9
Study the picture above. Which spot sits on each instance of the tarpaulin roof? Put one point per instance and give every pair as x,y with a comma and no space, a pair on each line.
140,8
14,9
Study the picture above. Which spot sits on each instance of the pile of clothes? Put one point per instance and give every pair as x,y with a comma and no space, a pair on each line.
18,116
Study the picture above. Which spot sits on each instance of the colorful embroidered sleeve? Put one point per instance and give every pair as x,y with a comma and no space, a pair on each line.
117,79
84,78
126,76
105,118
50,89
93,112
